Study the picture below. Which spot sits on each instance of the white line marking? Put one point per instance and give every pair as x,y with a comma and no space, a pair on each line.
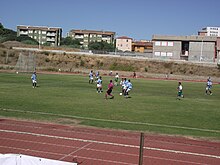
114,144
112,136
115,162
75,151
113,121
152,157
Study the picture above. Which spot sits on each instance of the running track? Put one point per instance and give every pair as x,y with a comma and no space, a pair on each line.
102,147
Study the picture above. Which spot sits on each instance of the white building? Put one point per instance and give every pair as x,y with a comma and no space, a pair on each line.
124,43
210,31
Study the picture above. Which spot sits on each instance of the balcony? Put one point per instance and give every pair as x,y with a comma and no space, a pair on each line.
51,39
51,34
23,32
79,36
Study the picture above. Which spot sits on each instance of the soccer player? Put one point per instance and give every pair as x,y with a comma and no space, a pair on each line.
134,75
128,88
109,91
208,87
180,91
99,85
124,85
91,77
116,79
96,75
34,80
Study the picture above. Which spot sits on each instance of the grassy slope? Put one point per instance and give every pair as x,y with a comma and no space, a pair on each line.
152,102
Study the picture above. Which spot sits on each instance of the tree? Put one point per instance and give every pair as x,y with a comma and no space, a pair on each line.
68,41
10,35
103,46
1,26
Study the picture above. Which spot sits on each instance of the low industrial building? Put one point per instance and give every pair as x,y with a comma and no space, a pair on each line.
189,48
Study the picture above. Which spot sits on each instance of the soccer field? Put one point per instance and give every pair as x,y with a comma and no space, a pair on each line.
152,107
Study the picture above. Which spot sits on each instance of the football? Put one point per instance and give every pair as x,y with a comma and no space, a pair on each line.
120,94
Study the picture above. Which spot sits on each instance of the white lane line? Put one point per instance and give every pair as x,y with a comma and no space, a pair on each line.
113,121
114,144
112,136
75,151
133,137
151,157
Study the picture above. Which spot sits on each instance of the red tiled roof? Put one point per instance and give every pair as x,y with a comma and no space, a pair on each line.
124,37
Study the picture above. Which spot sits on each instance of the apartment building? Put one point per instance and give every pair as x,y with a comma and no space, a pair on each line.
88,36
210,31
49,35
190,48
124,43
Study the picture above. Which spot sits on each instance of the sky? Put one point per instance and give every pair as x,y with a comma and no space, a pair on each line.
138,19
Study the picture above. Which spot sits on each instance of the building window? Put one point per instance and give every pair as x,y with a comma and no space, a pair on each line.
164,43
163,54
170,44
157,53
157,43
169,54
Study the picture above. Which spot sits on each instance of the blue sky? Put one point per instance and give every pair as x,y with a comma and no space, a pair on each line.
138,19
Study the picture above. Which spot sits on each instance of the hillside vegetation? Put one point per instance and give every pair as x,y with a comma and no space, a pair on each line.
47,61
10,35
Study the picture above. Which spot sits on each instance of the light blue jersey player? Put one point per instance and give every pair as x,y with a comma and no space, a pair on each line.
91,77
34,80
124,86
208,87
97,75
128,87
99,85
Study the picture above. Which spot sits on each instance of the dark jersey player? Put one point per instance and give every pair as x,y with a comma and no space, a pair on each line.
109,91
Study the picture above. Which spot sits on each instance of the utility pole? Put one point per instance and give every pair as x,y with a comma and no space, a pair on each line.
141,149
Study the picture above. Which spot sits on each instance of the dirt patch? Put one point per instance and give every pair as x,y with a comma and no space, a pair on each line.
66,121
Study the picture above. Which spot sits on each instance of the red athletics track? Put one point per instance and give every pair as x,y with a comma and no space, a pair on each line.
102,147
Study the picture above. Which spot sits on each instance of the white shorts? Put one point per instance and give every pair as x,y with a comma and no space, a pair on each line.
34,81
91,78
99,85
129,89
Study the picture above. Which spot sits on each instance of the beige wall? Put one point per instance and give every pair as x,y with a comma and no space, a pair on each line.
124,44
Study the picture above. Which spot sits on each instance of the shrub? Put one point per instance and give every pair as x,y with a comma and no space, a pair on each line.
146,69
82,63
47,60
52,69
218,66
46,53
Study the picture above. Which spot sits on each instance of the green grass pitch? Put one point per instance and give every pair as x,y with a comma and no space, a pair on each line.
152,107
